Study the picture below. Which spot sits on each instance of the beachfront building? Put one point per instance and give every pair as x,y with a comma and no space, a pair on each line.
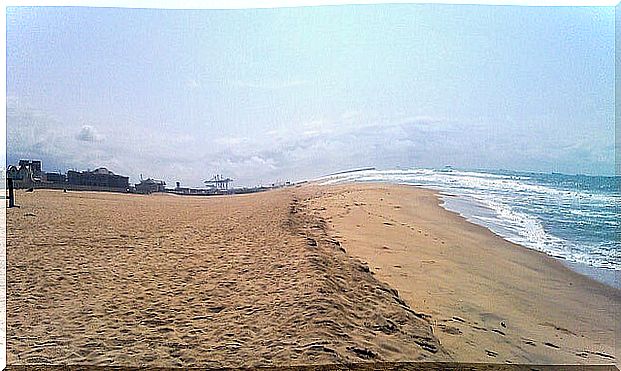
179,190
147,186
100,178
26,174
55,178
34,166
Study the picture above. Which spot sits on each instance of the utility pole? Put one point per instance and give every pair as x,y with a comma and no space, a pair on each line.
9,182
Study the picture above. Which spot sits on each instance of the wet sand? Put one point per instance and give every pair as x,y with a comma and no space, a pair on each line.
489,300
162,280
305,275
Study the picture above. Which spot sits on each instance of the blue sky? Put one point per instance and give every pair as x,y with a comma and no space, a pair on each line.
266,95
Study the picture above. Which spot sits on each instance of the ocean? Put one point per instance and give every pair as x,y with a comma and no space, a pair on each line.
574,218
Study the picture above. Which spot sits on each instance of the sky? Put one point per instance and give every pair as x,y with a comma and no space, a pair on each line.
285,94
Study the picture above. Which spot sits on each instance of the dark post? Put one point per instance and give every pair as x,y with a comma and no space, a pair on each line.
11,194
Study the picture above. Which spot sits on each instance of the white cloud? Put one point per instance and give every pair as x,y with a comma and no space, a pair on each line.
231,141
88,134
300,150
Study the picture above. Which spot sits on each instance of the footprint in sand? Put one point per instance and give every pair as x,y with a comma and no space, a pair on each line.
558,328
450,329
491,353
603,355
529,342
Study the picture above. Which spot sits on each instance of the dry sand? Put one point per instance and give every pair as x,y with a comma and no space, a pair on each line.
264,279
162,280
488,300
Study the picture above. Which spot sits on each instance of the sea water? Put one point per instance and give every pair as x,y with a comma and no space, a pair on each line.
571,217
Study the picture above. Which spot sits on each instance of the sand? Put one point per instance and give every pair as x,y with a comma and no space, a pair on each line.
162,280
304,275
488,300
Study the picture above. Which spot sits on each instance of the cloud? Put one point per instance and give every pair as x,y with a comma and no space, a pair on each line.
88,134
423,121
231,141
246,164
172,154
300,150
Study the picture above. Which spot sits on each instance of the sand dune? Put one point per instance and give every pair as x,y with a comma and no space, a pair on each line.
160,280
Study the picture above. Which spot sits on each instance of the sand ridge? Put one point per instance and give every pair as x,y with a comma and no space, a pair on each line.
115,279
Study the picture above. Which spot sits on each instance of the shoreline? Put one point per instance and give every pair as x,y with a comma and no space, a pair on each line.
582,269
522,305
608,277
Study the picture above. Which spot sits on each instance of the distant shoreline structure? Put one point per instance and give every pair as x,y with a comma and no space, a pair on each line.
28,174
351,171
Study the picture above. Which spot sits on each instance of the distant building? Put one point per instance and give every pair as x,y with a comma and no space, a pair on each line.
148,186
101,177
26,174
192,191
55,178
34,167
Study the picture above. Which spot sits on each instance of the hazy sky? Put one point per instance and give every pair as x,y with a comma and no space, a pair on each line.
264,95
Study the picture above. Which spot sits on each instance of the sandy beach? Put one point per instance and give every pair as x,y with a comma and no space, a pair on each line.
489,300
303,275
161,280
